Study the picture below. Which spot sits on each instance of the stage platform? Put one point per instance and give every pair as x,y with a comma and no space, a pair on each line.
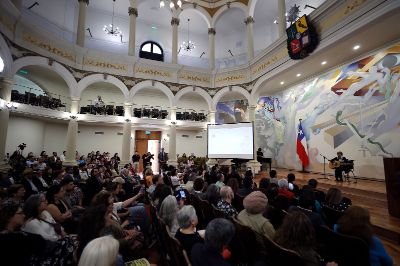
366,193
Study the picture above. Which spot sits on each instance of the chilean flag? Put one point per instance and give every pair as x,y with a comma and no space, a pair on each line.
301,147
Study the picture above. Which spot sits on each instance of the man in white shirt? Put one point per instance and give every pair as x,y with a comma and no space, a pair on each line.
62,157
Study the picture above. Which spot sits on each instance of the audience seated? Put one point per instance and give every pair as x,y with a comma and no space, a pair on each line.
17,247
31,183
225,203
255,205
334,200
212,194
102,251
297,233
356,222
219,233
187,234
168,212
284,189
292,186
16,195
247,186
59,209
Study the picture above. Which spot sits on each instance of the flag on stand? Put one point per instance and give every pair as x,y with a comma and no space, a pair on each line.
301,146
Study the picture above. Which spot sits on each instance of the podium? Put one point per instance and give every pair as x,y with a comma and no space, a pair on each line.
392,179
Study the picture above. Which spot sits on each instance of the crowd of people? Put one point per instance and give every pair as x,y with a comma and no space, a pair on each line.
97,212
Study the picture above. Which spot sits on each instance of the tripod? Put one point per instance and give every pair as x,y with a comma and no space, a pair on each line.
325,159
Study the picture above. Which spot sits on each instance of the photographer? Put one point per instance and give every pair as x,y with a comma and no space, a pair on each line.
147,157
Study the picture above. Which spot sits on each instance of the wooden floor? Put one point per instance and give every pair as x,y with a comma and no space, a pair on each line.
364,193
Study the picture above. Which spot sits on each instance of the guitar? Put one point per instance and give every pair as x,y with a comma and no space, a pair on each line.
337,164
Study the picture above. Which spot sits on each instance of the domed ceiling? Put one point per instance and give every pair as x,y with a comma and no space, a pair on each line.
154,23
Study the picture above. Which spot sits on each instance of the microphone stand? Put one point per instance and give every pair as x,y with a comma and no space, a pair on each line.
325,177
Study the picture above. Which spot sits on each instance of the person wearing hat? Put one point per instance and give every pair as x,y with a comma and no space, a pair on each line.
255,205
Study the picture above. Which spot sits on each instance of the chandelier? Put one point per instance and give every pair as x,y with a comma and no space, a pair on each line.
189,45
172,3
110,29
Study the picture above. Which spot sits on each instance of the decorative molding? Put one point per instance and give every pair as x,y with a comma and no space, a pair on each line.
353,6
175,21
230,78
47,46
103,64
269,61
211,31
50,61
133,11
228,4
194,77
105,75
248,20
153,72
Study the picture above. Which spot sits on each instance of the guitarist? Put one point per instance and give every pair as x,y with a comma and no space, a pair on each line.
339,170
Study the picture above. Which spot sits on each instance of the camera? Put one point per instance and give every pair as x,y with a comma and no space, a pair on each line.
22,146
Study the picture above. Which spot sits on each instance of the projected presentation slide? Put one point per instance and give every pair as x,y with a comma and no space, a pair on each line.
230,141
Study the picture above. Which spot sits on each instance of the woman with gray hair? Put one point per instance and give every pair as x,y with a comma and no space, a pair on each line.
187,234
225,203
168,211
102,251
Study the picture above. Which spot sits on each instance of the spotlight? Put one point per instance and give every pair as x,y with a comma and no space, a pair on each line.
298,75
323,63
282,82
356,47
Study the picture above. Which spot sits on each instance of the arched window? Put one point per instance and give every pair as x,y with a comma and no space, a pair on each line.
151,50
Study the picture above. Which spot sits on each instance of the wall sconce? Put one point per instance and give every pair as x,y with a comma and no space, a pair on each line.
127,120
173,123
73,117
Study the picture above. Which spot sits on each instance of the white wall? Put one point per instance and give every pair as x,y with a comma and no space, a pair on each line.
187,144
25,130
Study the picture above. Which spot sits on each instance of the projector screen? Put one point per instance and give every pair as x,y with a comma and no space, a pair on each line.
230,141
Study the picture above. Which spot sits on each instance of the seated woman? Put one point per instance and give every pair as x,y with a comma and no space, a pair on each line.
136,214
100,251
255,205
356,222
168,211
187,234
212,194
225,203
17,247
16,195
297,233
334,200
59,208
39,221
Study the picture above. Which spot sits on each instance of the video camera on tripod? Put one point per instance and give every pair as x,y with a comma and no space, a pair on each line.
21,146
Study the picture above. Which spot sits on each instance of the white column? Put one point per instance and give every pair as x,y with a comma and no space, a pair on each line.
211,48
172,113
80,31
133,13
211,117
254,164
5,97
282,17
175,24
72,133
249,21
126,138
172,145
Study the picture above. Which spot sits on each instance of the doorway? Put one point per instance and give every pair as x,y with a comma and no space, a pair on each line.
148,141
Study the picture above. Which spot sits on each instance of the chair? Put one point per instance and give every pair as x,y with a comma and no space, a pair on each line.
178,255
155,113
343,249
137,112
179,116
146,112
119,110
110,109
332,216
207,211
217,212
238,202
244,246
185,115
277,255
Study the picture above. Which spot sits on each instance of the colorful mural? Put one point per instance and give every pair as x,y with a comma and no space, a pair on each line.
354,109
231,112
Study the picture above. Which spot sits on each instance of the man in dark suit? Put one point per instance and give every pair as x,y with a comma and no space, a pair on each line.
162,158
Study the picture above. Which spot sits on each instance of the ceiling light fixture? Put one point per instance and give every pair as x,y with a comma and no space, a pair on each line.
172,3
356,47
282,82
110,29
323,63
189,45
298,75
